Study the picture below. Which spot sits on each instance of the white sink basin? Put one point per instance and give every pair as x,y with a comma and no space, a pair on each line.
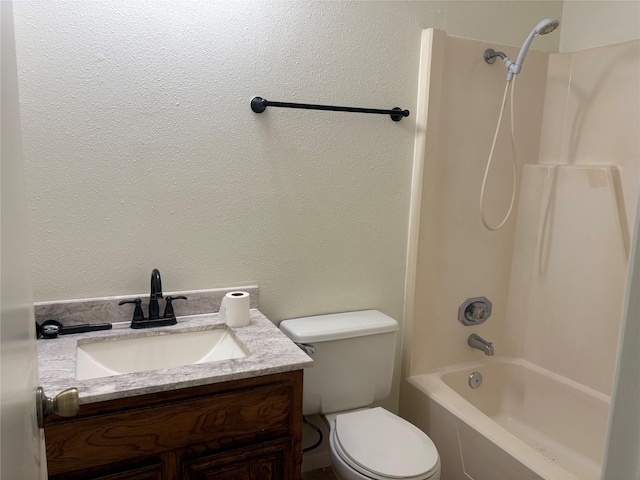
115,357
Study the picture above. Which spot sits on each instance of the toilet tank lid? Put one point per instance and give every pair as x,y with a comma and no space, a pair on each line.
336,326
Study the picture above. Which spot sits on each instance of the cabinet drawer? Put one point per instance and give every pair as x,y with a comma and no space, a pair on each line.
216,421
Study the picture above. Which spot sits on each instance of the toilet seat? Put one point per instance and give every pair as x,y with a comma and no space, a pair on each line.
381,445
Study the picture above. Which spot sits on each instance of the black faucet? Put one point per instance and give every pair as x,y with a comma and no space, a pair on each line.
156,292
154,320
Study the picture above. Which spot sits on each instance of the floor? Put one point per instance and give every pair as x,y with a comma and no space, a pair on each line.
319,474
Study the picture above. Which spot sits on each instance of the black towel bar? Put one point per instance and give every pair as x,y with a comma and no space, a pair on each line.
259,105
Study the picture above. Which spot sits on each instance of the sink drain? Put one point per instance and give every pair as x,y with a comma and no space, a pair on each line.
475,379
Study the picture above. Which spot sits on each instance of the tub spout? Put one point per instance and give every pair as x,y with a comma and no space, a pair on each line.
475,341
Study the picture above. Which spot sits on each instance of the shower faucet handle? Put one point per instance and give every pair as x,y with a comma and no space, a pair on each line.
478,311
474,311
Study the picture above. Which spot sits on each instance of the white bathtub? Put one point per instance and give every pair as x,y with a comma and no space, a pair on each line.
522,422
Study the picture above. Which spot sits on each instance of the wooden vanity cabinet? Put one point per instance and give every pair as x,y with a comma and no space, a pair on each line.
242,429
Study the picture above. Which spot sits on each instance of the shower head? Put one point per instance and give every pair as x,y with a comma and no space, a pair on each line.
547,25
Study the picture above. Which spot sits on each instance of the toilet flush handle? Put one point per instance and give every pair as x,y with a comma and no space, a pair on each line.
307,347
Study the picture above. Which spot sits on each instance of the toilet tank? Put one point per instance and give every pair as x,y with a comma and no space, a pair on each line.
353,359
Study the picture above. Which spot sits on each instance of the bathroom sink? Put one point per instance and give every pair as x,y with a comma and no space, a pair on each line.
115,357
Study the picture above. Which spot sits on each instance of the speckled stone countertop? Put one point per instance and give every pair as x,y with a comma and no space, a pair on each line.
268,351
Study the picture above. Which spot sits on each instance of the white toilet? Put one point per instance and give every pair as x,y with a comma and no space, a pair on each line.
353,368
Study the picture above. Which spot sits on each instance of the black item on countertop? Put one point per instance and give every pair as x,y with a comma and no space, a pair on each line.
53,328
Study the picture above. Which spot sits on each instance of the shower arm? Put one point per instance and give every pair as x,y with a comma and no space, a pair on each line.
490,56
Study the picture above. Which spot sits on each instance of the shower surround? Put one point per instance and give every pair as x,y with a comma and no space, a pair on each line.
555,273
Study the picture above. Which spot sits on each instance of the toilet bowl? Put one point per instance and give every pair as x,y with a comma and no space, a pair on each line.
376,444
353,355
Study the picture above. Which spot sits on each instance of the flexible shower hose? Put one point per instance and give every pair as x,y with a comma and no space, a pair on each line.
513,158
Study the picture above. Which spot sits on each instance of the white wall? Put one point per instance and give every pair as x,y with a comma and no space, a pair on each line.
588,24
141,150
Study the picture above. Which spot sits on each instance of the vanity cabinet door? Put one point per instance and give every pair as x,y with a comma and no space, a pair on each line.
239,429
265,461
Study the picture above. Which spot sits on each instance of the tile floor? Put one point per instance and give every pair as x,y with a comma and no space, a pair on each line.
319,474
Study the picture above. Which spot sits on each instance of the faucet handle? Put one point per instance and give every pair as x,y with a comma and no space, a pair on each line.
168,309
138,314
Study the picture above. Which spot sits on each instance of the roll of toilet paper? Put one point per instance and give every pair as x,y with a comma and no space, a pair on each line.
234,309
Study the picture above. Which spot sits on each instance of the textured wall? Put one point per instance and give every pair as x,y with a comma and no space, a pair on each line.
141,150
588,24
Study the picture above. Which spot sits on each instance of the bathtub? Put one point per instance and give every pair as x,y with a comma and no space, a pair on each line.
522,422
